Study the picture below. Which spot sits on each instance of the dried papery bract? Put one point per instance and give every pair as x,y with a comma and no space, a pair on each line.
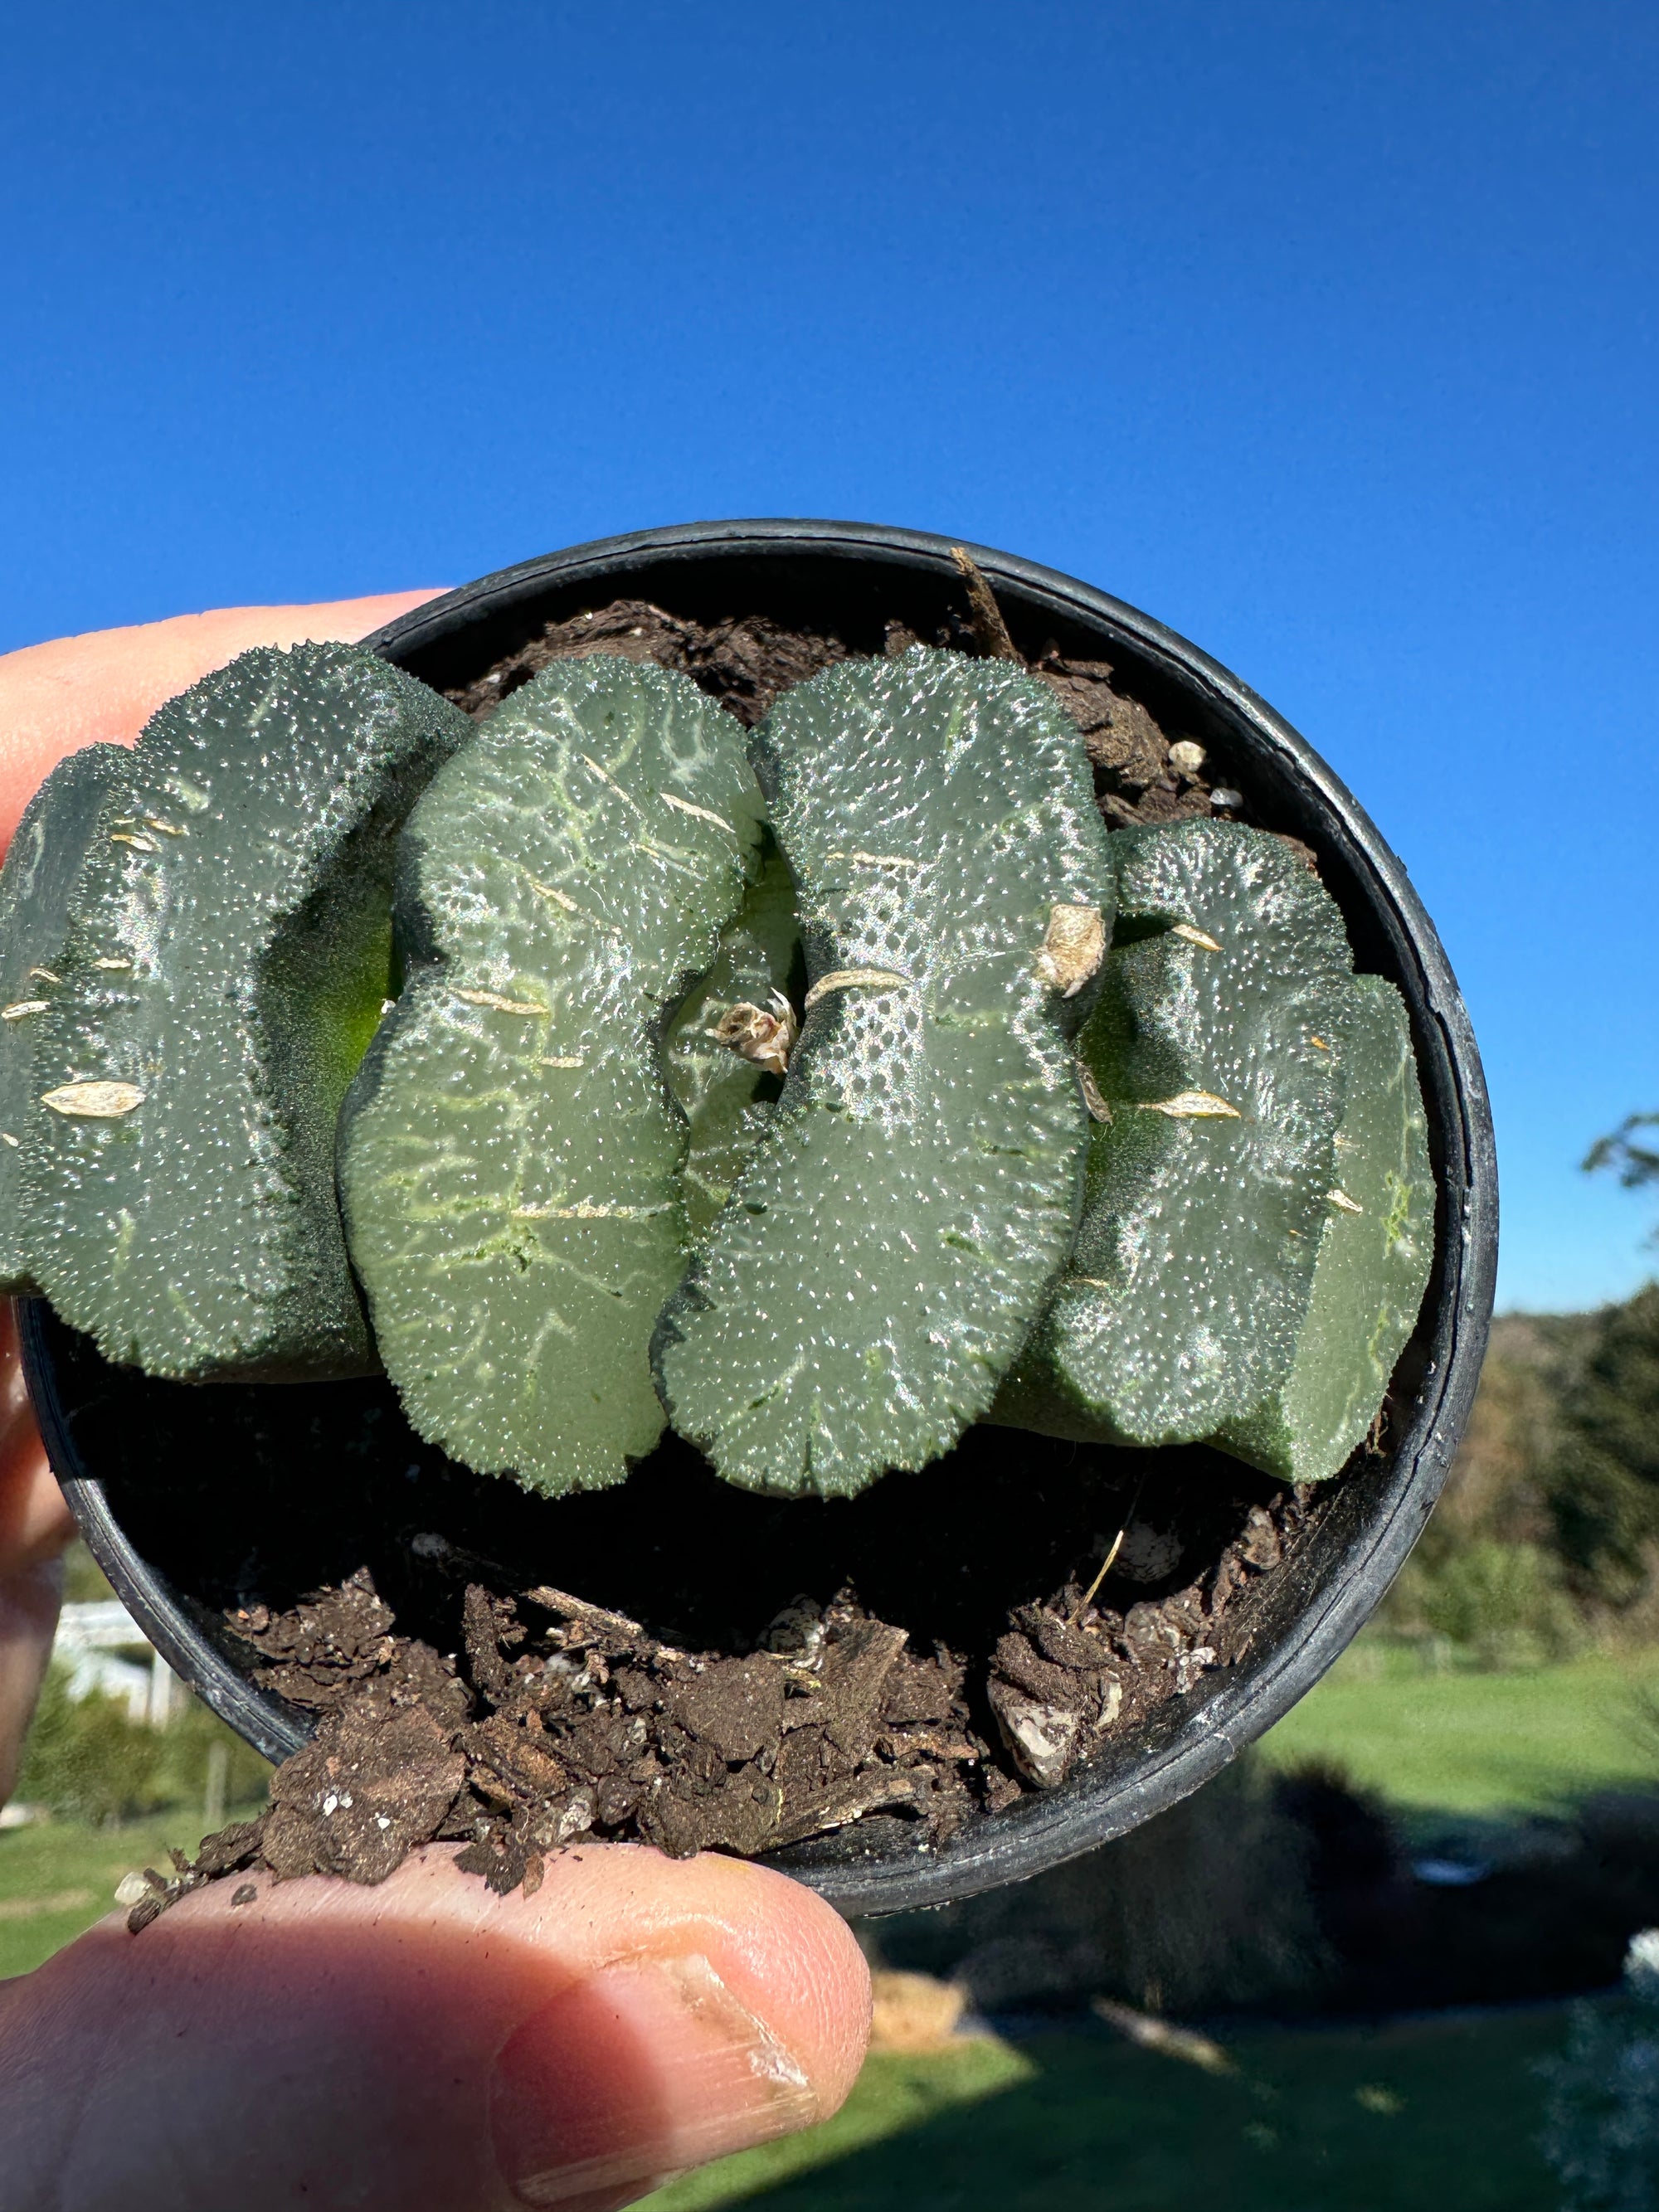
1074,946
226,960
510,1159
1217,1048
42,865
765,1035
909,1199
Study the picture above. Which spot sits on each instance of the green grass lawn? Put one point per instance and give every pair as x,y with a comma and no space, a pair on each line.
1388,2119
1409,2114
1413,2113
1467,1742
58,1878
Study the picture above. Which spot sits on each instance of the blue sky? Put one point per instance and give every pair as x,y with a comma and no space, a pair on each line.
1325,334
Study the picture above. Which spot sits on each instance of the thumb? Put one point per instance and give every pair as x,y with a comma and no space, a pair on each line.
56,697
426,2046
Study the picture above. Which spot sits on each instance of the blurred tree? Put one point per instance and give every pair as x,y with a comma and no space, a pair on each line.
88,1760
1602,1483
1635,1163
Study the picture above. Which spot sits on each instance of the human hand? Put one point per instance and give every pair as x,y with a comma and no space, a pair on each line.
421,2044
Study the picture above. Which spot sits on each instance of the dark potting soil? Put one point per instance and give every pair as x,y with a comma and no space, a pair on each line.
556,1718
745,661
679,1662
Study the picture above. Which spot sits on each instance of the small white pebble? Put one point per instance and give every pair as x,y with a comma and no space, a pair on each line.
1222,796
1186,757
131,1889
381,1822
330,1803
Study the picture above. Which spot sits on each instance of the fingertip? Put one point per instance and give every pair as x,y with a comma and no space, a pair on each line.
56,697
795,1960
426,2042
736,2010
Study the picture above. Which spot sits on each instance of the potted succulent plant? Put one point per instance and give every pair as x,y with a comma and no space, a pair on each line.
883,1048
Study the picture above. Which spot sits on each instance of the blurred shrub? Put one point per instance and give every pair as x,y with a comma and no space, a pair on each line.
185,1745
1204,1907
1601,2121
88,1760
1547,1535
1601,1481
1500,1604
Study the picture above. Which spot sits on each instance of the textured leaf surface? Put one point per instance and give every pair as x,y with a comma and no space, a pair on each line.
42,865
510,1154
1216,1047
726,1099
227,960
895,1232
1374,1251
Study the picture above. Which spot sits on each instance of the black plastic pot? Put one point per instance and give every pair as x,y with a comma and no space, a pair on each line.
167,1482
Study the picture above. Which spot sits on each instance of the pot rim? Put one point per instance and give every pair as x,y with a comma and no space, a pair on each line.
1095,1805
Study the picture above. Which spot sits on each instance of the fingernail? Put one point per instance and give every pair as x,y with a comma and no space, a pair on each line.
643,2069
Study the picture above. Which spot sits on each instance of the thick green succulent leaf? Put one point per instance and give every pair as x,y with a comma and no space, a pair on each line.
725,1098
1216,1053
895,1232
1374,1251
36,884
510,1155
227,960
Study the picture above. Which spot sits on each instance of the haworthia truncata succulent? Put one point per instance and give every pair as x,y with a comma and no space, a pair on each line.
896,1230
510,1155
36,885
1216,1053
1374,1250
226,959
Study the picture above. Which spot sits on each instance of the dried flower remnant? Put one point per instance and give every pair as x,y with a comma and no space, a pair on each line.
1074,946
1098,1110
93,1102
765,1035
1184,929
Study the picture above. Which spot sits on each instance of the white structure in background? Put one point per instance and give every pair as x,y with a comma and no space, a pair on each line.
103,1648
